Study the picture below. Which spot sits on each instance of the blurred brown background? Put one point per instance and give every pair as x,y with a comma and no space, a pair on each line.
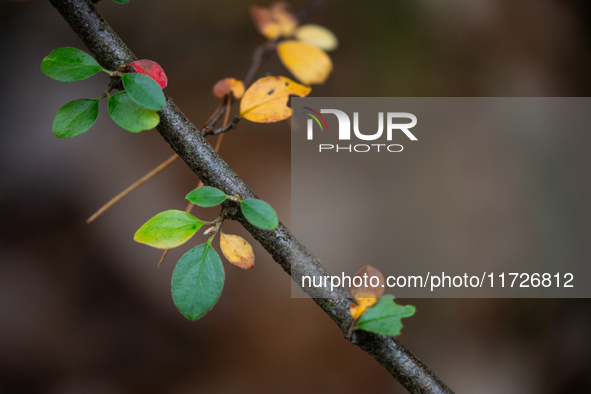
83,308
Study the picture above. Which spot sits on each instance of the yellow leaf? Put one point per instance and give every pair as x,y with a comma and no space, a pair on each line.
285,19
364,286
266,100
359,309
237,250
275,21
306,62
318,36
227,85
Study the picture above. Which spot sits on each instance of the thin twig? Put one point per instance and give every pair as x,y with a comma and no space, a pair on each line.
312,7
259,58
223,129
215,112
152,173
131,188
106,92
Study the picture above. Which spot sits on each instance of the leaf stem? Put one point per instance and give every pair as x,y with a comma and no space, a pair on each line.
162,258
106,92
351,329
217,225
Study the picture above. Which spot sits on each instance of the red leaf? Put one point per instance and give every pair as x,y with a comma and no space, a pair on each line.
152,70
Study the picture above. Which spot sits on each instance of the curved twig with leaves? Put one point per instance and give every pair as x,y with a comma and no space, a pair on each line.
198,276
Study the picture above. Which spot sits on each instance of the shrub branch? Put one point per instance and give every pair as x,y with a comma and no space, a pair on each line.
186,140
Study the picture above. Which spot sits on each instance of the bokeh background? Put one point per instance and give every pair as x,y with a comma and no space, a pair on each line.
83,308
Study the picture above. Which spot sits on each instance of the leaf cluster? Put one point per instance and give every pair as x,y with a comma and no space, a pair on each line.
198,277
301,49
133,109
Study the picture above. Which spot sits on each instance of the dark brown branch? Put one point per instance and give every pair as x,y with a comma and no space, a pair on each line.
294,258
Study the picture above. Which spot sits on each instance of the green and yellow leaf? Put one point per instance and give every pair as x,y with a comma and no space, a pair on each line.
168,229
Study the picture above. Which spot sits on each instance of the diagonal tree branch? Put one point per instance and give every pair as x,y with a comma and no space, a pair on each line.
187,141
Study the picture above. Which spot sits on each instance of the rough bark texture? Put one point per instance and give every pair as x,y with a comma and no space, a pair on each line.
294,258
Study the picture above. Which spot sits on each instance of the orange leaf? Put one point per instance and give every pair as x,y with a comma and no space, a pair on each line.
266,100
237,250
227,85
308,63
275,21
359,309
366,290
364,293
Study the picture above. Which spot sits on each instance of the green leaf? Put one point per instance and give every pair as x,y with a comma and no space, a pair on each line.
206,196
75,118
69,64
260,214
144,91
197,281
131,116
121,1
384,317
168,229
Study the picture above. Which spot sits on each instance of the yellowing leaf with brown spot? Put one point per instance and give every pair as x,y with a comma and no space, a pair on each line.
227,85
310,64
359,309
237,250
275,21
318,36
266,100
